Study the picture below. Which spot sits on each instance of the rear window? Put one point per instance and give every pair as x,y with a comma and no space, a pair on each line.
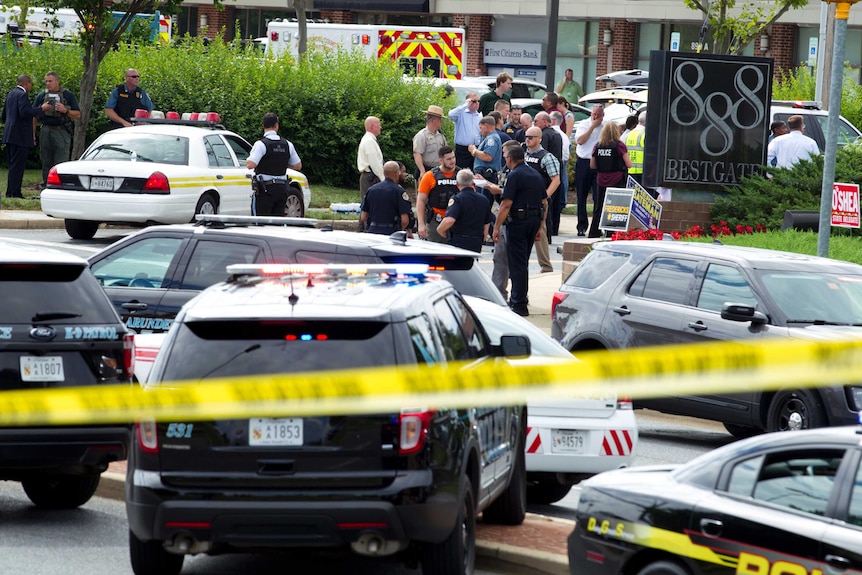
596,268
210,349
65,293
161,148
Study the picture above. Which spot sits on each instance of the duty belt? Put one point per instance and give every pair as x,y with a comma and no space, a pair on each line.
270,179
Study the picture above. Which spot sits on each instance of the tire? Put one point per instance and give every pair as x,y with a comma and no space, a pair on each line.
742,431
295,206
207,204
456,555
510,508
150,558
61,491
793,409
663,568
81,229
546,491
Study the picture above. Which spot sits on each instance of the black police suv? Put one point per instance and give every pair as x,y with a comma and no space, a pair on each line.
58,330
409,482
149,275
775,503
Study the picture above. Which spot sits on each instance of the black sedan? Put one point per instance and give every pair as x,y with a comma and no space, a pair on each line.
780,503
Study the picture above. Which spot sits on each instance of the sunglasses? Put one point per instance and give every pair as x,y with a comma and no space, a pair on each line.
475,101
531,137
134,76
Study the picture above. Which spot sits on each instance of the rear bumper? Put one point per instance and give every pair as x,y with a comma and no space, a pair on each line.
405,512
118,207
66,450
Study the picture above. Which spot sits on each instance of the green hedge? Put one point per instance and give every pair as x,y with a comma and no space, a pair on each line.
322,102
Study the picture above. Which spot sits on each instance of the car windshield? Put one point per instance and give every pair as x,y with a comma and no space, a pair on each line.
816,297
123,146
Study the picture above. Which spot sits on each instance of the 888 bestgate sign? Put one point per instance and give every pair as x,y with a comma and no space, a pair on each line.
708,119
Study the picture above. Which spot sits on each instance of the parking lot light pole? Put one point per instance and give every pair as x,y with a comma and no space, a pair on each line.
842,13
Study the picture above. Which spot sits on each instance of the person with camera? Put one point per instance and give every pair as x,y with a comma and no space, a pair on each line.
270,158
55,135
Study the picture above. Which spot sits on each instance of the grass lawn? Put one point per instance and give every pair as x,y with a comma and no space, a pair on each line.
30,188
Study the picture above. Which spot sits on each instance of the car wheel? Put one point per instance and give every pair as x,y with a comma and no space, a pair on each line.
61,491
151,558
793,409
295,207
546,491
457,553
742,431
510,507
663,568
206,205
81,229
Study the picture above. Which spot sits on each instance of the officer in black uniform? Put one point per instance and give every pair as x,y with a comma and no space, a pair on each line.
467,217
522,208
386,206
270,158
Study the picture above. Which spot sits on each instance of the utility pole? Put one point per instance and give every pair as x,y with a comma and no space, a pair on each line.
553,9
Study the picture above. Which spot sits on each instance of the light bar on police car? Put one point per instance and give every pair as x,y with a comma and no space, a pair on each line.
404,270
260,220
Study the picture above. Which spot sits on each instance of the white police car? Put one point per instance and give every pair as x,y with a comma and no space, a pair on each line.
163,171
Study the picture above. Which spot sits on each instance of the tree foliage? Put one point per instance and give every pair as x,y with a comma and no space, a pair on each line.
734,25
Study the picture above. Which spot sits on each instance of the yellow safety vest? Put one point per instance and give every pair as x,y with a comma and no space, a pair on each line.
635,146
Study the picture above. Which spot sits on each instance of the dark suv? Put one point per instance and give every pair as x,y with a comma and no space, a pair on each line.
409,482
57,329
149,275
642,293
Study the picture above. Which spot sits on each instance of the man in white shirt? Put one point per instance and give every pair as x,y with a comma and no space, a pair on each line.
787,150
586,138
369,159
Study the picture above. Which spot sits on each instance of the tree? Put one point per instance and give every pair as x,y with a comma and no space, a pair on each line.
734,28
299,6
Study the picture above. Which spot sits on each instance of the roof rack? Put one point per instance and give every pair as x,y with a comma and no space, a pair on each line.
198,123
222,221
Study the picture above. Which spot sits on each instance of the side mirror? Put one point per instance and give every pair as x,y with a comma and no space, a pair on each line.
513,346
742,312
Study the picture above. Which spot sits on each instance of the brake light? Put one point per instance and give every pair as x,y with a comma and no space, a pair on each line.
558,297
146,432
129,354
624,403
53,177
414,431
157,183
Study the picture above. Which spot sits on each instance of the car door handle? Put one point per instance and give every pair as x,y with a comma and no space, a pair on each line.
219,177
838,561
711,527
134,306
697,325
622,310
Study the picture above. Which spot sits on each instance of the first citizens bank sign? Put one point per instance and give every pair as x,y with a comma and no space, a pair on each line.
708,119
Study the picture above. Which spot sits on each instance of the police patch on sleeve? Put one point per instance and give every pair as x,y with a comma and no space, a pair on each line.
405,197
451,201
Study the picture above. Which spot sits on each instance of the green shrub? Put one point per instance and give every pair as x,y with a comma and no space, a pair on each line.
800,84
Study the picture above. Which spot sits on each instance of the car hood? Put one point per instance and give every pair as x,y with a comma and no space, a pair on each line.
641,475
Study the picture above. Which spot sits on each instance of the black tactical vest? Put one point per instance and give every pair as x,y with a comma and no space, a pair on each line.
128,102
276,159
444,189
534,160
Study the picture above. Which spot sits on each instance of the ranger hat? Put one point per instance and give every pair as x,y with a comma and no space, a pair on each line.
434,111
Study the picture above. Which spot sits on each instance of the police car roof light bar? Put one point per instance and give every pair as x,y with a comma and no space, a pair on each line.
221,220
288,270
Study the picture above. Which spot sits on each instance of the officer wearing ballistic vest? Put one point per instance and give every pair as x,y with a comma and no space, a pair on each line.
270,158
435,190
635,143
125,99
468,216
548,166
386,206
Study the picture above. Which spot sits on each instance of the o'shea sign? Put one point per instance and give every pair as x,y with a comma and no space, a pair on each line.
845,205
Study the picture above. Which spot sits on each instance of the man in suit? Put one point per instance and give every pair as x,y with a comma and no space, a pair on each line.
18,134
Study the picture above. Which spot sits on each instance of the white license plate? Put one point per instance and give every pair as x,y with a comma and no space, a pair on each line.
568,441
41,368
102,184
275,431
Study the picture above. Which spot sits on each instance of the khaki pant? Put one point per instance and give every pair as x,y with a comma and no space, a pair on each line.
542,253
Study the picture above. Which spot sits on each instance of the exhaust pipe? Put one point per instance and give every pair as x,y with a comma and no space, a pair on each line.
373,544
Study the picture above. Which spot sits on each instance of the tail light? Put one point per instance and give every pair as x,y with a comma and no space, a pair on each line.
147,435
157,183
558,297
129,354
414,431
624,403
53,177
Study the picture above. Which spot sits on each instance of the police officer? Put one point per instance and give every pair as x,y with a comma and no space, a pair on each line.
386,206
548,166
467,217
55,137
522,208
270,158
125,99
634,141
435,190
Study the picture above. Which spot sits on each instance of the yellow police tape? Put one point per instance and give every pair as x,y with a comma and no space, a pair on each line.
728,367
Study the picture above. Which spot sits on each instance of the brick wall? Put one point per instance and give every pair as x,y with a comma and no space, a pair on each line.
478,28
781,46
620,55
338,16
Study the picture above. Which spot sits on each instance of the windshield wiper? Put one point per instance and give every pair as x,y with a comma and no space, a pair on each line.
47,316
249,349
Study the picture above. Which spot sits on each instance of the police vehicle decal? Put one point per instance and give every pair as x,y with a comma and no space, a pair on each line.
138,323
91,332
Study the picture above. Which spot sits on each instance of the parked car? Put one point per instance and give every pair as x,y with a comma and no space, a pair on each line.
58,329
411,482
567,440
627,294
162,173
150,274
778,503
